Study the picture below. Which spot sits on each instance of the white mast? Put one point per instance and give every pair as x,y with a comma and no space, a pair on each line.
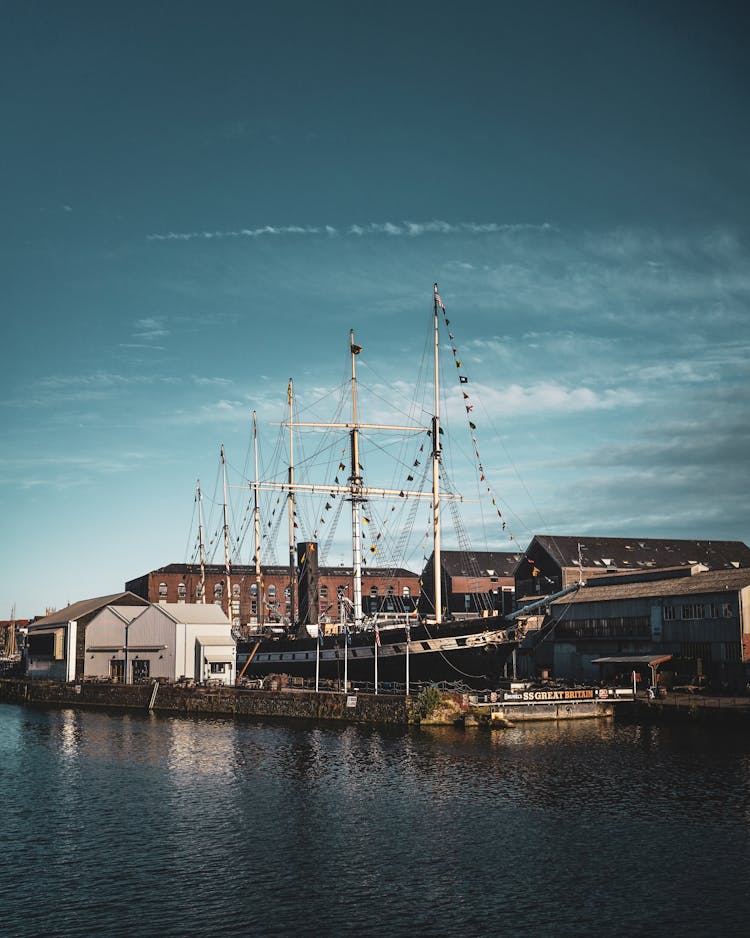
201,545
10,645
355,483
355,488
290,504
256,523
227,563
436,469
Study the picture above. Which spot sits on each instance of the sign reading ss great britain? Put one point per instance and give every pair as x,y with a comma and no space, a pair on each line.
586,693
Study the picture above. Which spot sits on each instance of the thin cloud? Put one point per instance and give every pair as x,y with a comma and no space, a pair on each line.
150,328
407,229
549,396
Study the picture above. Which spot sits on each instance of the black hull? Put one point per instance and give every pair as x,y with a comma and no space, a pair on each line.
474,653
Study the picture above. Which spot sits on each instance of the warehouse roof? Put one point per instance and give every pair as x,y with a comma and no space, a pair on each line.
634,553
714,581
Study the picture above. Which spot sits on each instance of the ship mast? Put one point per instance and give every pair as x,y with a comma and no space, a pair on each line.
227,562
356,490
355,482
201,545
10,645
256,524
290,504
436,466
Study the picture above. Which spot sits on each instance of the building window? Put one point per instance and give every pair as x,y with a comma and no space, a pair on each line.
726,610
162,591
406,592
181,591
732,651
287,593
253,589
272,591
696,650
218,667
373,591
324,592
668,613
236,591
390,591
199,591
693,611
467,601
141,670
218,591
340,591
613,627
253,607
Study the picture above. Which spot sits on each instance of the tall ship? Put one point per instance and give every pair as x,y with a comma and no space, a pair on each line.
424,646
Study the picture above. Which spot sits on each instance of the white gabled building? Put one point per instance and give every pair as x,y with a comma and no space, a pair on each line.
171,641
55,644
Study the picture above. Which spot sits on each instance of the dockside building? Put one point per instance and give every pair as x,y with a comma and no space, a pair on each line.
696,621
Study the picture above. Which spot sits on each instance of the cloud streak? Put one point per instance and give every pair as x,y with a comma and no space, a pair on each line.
403,229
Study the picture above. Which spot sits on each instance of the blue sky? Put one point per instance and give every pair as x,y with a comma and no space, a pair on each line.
200,200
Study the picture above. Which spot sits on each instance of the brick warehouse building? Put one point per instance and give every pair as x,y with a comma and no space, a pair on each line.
474,582
385,590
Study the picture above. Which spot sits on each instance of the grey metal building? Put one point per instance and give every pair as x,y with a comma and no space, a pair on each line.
700,619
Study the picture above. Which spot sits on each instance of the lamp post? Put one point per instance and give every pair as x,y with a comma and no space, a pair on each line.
125,669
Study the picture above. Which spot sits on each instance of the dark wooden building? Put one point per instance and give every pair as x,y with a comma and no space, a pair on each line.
552,562
698,620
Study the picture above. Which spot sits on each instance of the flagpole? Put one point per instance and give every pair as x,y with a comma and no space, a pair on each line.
408,642
346,657
377,636
317,662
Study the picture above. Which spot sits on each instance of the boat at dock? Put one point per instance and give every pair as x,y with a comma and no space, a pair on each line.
431,646
526,701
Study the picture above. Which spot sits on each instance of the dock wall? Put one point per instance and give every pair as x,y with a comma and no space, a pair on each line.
225,701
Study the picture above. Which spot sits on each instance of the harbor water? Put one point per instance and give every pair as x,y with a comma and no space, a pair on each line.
121,824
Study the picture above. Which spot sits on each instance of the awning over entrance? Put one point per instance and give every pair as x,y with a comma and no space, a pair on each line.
216,640
218,659
652,662
633,660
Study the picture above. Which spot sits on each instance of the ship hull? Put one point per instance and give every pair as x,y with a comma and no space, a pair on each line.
474,653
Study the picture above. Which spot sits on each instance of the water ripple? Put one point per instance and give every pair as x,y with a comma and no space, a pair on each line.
132,825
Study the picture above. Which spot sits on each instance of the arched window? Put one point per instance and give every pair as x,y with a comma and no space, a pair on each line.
324,592
272,591
236,591
162,591
218,590
253,589
181,591
406,592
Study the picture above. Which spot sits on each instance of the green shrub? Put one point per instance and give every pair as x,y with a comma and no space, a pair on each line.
428,700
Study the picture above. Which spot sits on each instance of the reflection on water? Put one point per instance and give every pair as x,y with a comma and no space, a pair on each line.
122,824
